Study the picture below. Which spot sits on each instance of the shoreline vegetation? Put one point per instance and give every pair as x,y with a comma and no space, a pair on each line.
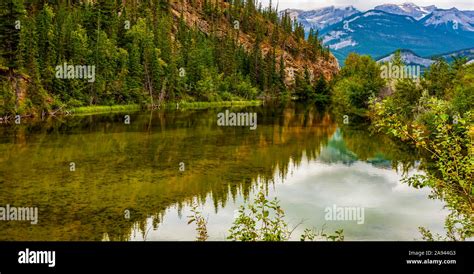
433,115
95,110
261,220
92,110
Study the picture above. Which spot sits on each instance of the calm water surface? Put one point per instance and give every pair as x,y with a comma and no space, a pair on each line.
298,154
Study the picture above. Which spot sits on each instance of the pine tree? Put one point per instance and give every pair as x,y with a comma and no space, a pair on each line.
11,12
107,12
46,48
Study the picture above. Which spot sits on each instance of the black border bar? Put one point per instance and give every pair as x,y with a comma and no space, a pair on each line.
315,257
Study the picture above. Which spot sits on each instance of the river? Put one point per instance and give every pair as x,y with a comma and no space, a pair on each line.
98,178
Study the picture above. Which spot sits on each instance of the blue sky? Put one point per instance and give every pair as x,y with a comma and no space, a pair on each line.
368,4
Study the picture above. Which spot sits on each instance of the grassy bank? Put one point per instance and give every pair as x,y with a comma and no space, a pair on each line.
203,105
90,110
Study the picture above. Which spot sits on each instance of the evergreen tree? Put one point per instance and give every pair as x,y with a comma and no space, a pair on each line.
11,12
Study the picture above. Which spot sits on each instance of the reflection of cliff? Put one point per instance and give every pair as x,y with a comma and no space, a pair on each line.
136,167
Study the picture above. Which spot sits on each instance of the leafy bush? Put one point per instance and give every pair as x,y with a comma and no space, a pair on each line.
359,81
450,172
201,224
463,94
262,220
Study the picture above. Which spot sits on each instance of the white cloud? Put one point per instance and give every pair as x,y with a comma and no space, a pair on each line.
368,4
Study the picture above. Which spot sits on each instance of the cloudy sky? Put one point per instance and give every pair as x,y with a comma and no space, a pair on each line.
368,4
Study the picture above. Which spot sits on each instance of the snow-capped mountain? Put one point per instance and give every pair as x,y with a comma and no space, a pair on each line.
409,58
465,53
321,18
408,9
430,15
469,13
425,30
377,33
452,19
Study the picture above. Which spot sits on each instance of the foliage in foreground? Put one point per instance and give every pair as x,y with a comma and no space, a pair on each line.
262,220
201,224
437,120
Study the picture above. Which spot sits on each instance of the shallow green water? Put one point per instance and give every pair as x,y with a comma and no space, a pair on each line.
127,183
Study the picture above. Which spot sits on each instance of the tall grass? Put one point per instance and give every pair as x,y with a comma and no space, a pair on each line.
202,105
89,110
103,109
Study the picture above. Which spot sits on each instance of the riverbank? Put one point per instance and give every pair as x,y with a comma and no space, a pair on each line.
94,110
202,105
91,110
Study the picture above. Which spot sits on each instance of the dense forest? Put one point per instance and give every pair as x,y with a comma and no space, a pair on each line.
57,55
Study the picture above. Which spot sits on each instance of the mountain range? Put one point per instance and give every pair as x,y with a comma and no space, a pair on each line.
426,31
321,18
411,58
408,9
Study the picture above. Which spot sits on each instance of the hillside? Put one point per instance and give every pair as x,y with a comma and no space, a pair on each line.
103,53
295,51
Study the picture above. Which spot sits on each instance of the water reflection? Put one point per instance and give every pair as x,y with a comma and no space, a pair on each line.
298,153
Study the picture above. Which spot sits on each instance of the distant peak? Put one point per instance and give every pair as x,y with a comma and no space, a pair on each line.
332,8
447,10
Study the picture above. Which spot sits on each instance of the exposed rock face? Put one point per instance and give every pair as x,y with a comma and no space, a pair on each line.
294,63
